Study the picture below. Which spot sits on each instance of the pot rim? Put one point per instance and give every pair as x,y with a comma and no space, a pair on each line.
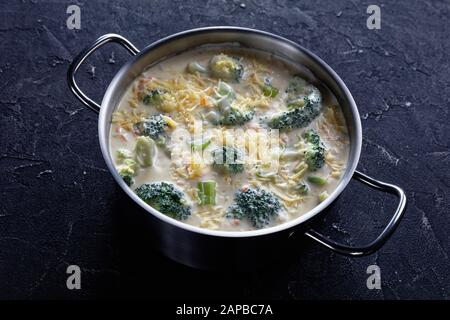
103,122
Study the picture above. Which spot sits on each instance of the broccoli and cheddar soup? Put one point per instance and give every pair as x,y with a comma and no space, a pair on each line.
229,139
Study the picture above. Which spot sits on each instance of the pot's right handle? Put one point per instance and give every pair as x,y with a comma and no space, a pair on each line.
79,59
385,234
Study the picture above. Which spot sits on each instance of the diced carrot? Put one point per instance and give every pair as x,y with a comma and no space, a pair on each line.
244,188
123,138
203,101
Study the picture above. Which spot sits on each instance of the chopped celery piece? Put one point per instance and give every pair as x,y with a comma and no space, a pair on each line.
317,180
194,67
269,91
225,90
200,145
323,196
145,151
207,192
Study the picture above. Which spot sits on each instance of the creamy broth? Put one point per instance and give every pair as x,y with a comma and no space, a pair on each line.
190,95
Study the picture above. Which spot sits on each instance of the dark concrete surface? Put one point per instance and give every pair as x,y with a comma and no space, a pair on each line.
60,206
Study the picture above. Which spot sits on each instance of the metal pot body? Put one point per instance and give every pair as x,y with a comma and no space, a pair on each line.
206,248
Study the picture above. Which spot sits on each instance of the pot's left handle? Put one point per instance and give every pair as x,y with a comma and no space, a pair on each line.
79,59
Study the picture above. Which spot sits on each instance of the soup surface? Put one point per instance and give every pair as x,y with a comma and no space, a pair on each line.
229,139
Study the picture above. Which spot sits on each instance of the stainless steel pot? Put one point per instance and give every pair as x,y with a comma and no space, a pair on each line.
199,247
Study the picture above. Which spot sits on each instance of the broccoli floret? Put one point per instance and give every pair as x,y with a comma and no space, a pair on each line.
314,158
123,154
255,204
302,188
298,117
312,137
226,68
127,174
128,178
154,127
228,159
268,89
303,100
166,198
154,96
299,89
127,165
315,151
160,98
232,116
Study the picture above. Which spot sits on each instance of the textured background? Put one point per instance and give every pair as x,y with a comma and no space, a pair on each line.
60,206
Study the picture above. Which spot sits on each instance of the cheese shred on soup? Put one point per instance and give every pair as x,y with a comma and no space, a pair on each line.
229,139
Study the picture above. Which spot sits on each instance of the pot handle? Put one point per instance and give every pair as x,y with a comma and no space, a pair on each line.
79,59
385,234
